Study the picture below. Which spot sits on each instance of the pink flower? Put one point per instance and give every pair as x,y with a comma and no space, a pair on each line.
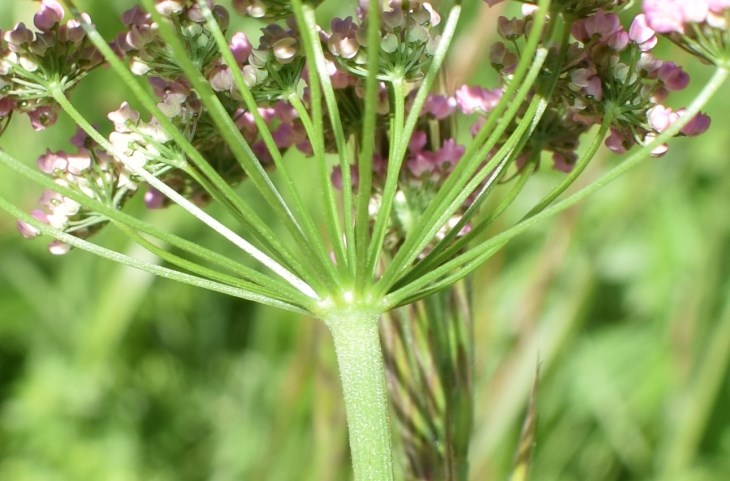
661,117
221,79
52,162
642,34
343,41
422,163
449,154
588,80
122,116
477,99
78,163
602,25
660,149
440,106
81,139
665,16
718,5
336,176
139,36
510,28
27,230
135,16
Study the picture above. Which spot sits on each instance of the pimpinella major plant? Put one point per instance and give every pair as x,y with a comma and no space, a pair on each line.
406,168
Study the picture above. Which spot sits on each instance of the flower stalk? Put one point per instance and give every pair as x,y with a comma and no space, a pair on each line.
354,330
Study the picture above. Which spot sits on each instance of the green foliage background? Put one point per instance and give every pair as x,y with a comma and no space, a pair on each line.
109,374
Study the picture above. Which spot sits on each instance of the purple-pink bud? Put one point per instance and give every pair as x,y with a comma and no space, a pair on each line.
42,117
617,142
27,230
698,125
50,14
154,199
240,47
673,77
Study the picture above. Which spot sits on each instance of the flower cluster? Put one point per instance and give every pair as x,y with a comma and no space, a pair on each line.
275,67
56,56
407,40
603,74
147,52
607,74
91,172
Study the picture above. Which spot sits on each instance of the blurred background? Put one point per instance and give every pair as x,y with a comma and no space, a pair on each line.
109,374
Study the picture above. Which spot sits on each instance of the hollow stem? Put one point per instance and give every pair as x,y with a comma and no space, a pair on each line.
360,360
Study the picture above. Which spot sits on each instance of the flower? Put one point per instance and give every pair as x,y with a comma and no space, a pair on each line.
700,26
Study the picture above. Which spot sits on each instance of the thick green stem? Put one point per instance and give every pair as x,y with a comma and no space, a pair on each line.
360,359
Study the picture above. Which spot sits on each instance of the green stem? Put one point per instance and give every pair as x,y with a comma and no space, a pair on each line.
365,160
315,57
579,168
144,265
360,359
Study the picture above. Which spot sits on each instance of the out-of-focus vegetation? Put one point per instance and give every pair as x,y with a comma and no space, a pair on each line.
109,374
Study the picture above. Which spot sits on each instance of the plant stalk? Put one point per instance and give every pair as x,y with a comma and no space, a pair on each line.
360,360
